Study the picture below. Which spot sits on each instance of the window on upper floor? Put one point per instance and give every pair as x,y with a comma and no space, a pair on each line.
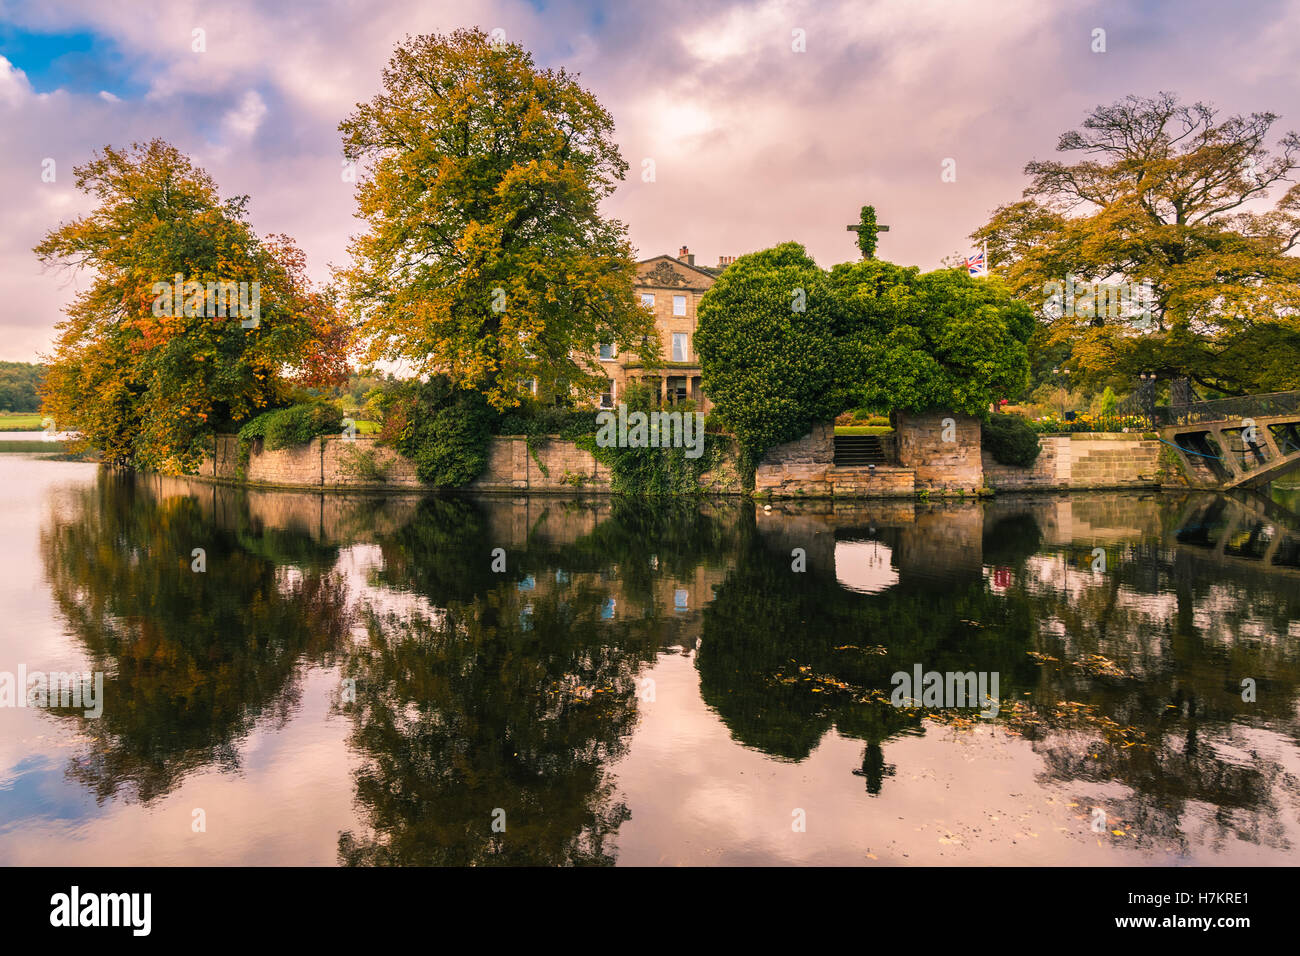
681,347
607,396
648,299
679,305
607,351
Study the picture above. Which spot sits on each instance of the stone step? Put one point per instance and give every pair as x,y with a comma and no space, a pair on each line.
859,450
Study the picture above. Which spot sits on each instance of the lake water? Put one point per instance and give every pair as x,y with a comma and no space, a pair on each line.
351,681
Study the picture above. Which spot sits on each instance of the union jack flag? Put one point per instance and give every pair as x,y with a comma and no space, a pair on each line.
976,266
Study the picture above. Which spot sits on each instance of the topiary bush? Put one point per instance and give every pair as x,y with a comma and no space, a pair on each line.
1010,439
768,347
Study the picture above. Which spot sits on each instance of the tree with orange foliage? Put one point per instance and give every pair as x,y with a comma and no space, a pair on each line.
146,376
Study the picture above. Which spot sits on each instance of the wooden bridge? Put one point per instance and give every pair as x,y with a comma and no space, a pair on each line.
1230,443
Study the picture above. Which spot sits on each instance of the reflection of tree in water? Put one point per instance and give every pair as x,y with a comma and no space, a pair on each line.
1176,689
484,705
191,660
769,624
1178,643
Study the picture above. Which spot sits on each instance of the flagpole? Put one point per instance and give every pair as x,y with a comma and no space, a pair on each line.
988,266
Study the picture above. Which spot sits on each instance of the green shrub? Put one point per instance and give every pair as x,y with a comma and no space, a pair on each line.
568,423
362,465
443,430
1010,439
286,427
653,472
768,347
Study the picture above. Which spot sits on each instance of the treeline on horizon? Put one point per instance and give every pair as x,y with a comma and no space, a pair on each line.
20,384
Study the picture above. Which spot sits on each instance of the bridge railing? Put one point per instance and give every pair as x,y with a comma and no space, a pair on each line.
1227,409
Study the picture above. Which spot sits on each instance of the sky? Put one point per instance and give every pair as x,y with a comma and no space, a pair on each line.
765,120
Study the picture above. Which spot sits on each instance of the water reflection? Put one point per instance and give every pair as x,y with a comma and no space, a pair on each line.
478,709
191,659
515,682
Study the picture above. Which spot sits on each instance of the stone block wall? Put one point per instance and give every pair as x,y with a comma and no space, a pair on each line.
552,465
1080,461
942,466
1113,461
1050,470
349,463
799,467
338,463
881,482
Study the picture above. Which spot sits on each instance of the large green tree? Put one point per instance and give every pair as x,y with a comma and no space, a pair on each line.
933,340
1192,204
768,346
144,382
784,345
486,257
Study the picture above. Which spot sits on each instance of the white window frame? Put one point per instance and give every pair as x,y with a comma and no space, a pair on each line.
611,393
686,346
676,300
647,300
613,352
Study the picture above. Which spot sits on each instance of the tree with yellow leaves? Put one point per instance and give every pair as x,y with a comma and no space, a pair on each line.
1189,210
486,256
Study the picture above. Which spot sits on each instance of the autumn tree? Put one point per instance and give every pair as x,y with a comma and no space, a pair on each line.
146,375
486,257
1176,198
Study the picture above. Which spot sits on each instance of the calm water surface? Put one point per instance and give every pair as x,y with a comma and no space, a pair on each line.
643,684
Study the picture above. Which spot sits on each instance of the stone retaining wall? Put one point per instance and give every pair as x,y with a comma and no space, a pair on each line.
362,463
1082,460
799,469
943,448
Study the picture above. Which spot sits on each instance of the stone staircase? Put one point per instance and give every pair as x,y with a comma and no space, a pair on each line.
858,451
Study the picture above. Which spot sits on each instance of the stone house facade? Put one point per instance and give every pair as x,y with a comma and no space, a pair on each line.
672,289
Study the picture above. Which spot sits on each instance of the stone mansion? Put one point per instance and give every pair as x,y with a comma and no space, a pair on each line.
672,289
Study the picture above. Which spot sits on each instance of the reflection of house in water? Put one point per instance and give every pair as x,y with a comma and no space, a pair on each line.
617,595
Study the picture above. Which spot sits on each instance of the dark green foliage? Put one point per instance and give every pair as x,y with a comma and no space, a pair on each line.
19,382
867,236
919,341
444,430
286,427
768,347
869,334
1010,440
653,472
568,423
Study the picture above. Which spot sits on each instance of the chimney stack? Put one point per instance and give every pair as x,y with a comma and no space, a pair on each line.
724,261
686,257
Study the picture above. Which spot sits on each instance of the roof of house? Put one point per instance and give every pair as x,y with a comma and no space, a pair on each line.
666,272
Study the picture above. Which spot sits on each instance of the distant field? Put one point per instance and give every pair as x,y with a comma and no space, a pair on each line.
20,422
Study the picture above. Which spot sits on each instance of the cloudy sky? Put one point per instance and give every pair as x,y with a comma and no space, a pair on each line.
753,141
